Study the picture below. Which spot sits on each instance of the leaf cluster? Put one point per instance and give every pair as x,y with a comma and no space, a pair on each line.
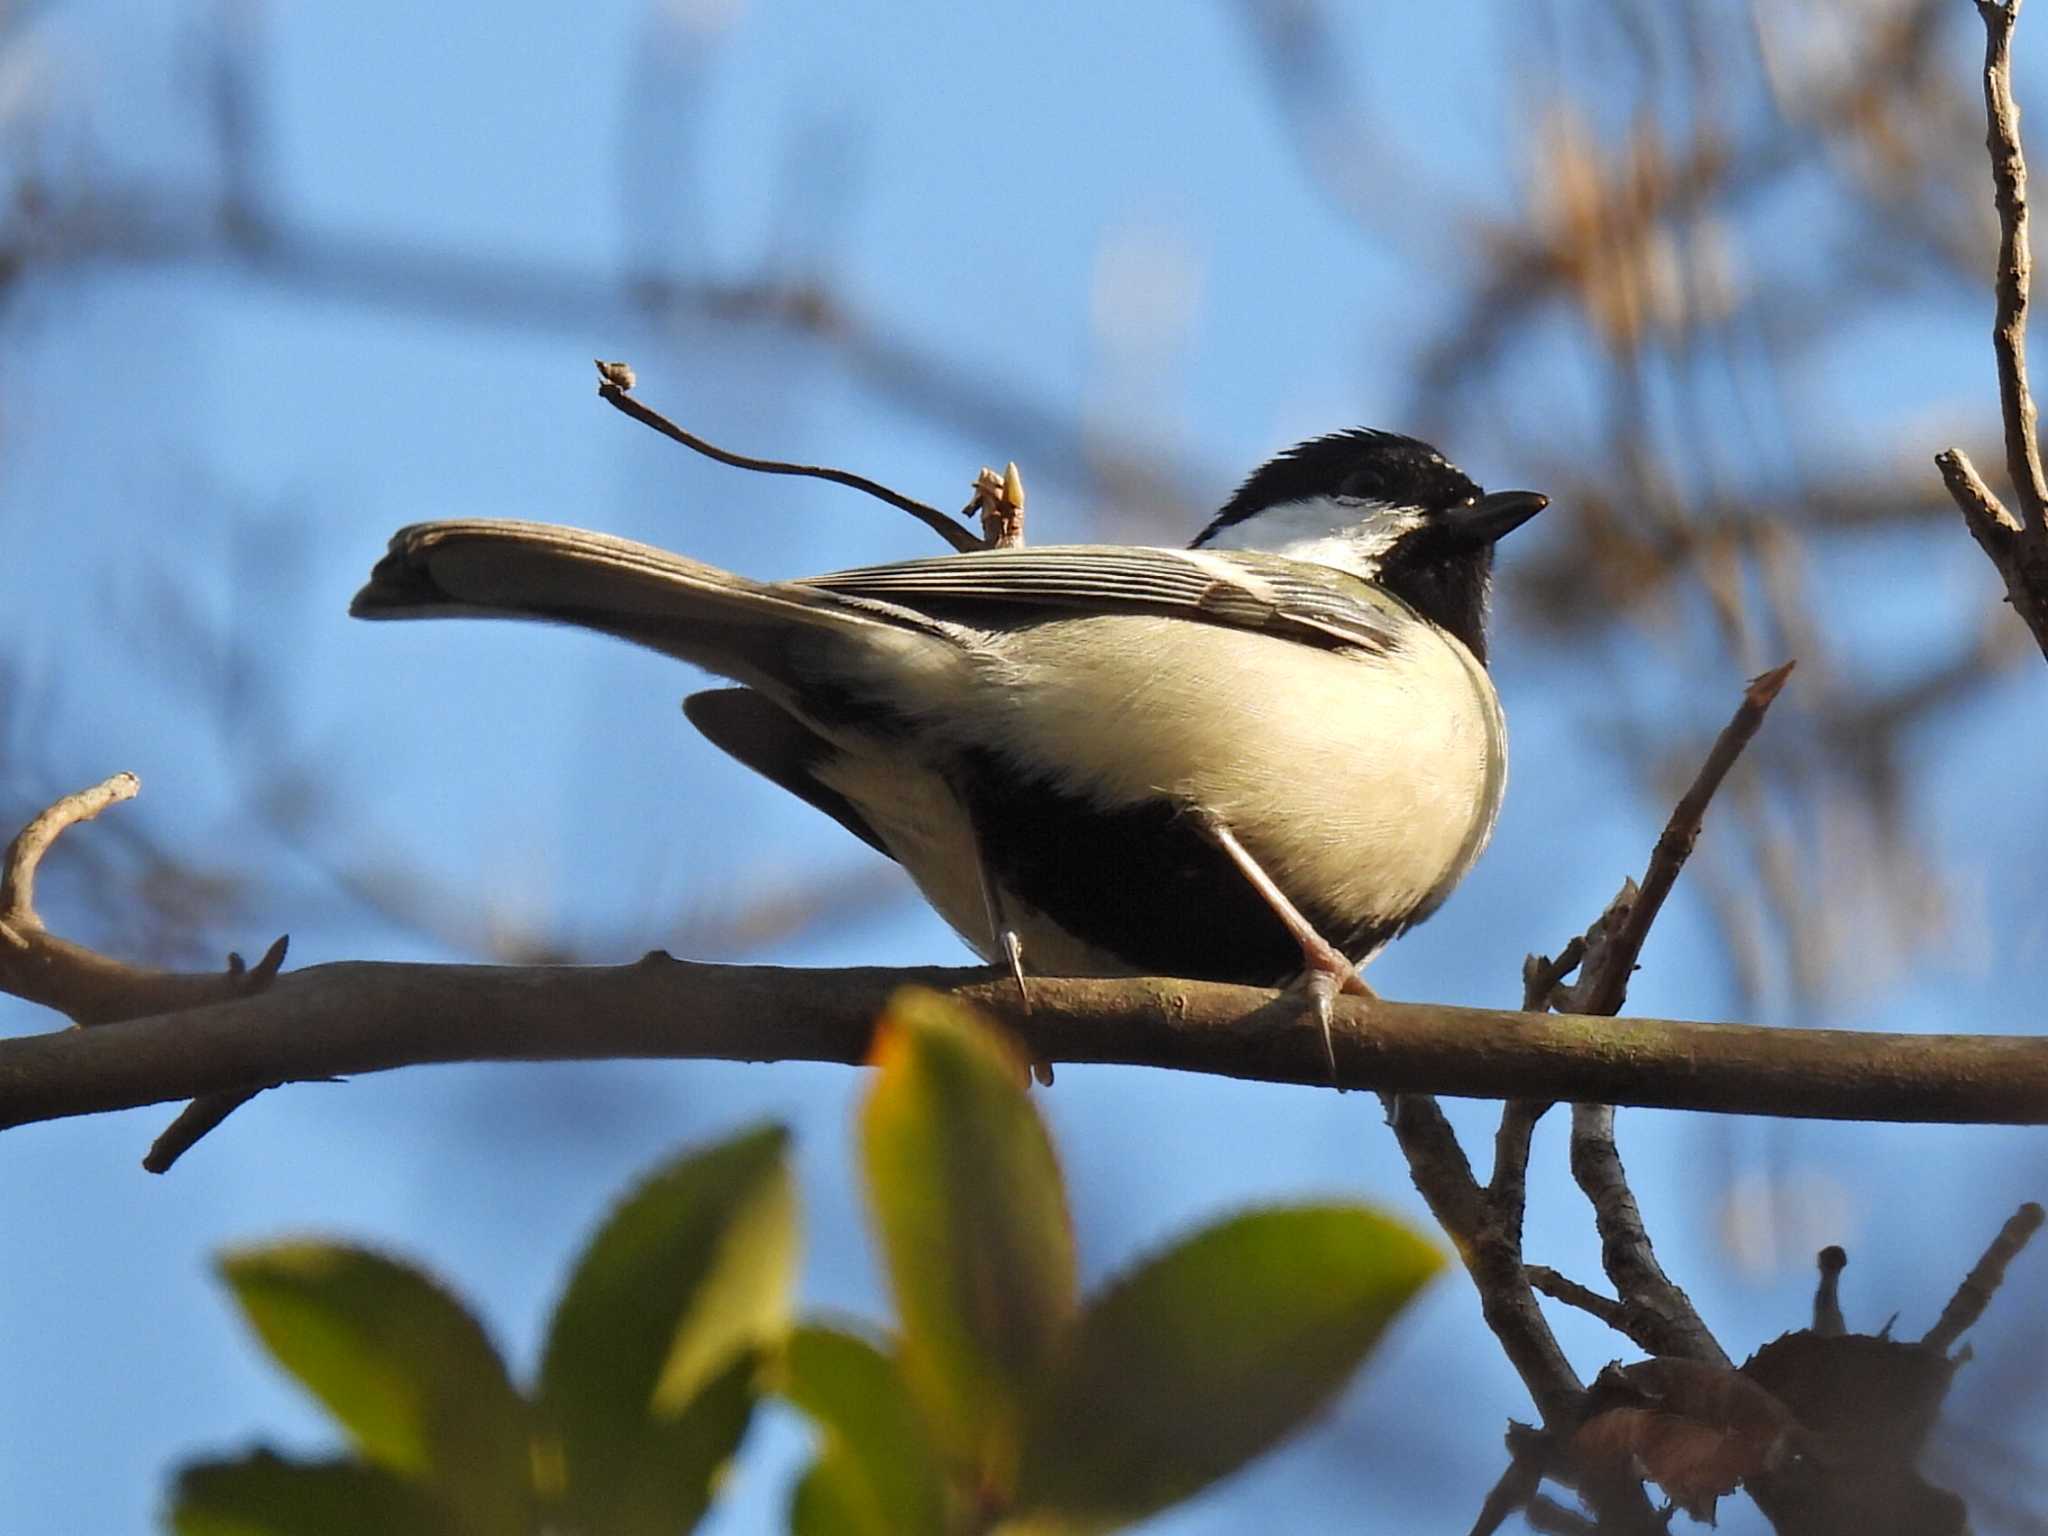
1003,1401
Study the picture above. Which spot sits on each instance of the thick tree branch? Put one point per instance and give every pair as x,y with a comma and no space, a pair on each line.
353,1017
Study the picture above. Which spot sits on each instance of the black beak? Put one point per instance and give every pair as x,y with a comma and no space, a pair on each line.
1495,516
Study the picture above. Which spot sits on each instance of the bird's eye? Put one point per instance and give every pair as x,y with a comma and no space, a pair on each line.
1469,501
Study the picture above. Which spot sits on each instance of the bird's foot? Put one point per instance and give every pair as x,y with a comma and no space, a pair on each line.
1325,973
1013,952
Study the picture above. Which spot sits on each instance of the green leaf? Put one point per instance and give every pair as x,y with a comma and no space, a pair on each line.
973,1224
877,1474
400,1362
833,1499
691,1272
265,1495
668,1473
1211,1353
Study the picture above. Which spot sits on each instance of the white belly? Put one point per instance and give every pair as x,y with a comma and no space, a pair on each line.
1375,787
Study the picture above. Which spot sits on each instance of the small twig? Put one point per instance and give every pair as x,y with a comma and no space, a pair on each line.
1508,1187
1656,1312
1510,1495
999,499
206,1112
1560,1288
2017,546
1546,1515
1661,1316
1492,1255
2015,262
194,1121
614,393
1604,977
1980,504
1828,1321
25,853
1653,1310
87,987
1982,1282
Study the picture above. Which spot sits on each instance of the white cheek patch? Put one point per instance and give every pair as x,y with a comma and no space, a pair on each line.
1348,533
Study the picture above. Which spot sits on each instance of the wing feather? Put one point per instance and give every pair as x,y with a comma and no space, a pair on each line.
1312,604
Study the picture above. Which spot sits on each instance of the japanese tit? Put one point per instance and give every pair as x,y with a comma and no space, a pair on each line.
1262,756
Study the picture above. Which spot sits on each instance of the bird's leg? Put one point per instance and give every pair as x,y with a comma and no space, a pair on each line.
1325,970
1004,937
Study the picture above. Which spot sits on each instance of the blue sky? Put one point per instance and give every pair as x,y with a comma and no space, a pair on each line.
1097,210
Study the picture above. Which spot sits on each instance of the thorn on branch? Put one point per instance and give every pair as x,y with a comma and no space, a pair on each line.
205,1113
616,379
268,966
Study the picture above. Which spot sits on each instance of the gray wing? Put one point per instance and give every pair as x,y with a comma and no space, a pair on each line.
1313,604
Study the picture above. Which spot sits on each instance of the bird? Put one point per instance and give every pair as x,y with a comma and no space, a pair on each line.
1257,759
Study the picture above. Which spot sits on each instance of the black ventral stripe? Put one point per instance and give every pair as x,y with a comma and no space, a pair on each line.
1140,881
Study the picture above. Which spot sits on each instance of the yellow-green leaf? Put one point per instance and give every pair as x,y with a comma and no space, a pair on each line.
668,1474
401,1363
877,1474
265,1495
973,1224
692,1271
832,1499
1209,1354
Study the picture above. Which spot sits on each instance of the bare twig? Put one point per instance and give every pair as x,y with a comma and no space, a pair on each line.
1658,1314
1661,1317
2017,546
2015,262
1554,1519
1828,1321
1651,1309
1510,1494
1508,1186
1603,982
1561,1288
194,1121
25,853
1983,1280
610,390
1492,1255
87,987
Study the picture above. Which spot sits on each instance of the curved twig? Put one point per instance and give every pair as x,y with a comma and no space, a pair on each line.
615,380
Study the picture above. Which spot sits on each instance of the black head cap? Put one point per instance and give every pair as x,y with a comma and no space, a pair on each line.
1442,566
1361,463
